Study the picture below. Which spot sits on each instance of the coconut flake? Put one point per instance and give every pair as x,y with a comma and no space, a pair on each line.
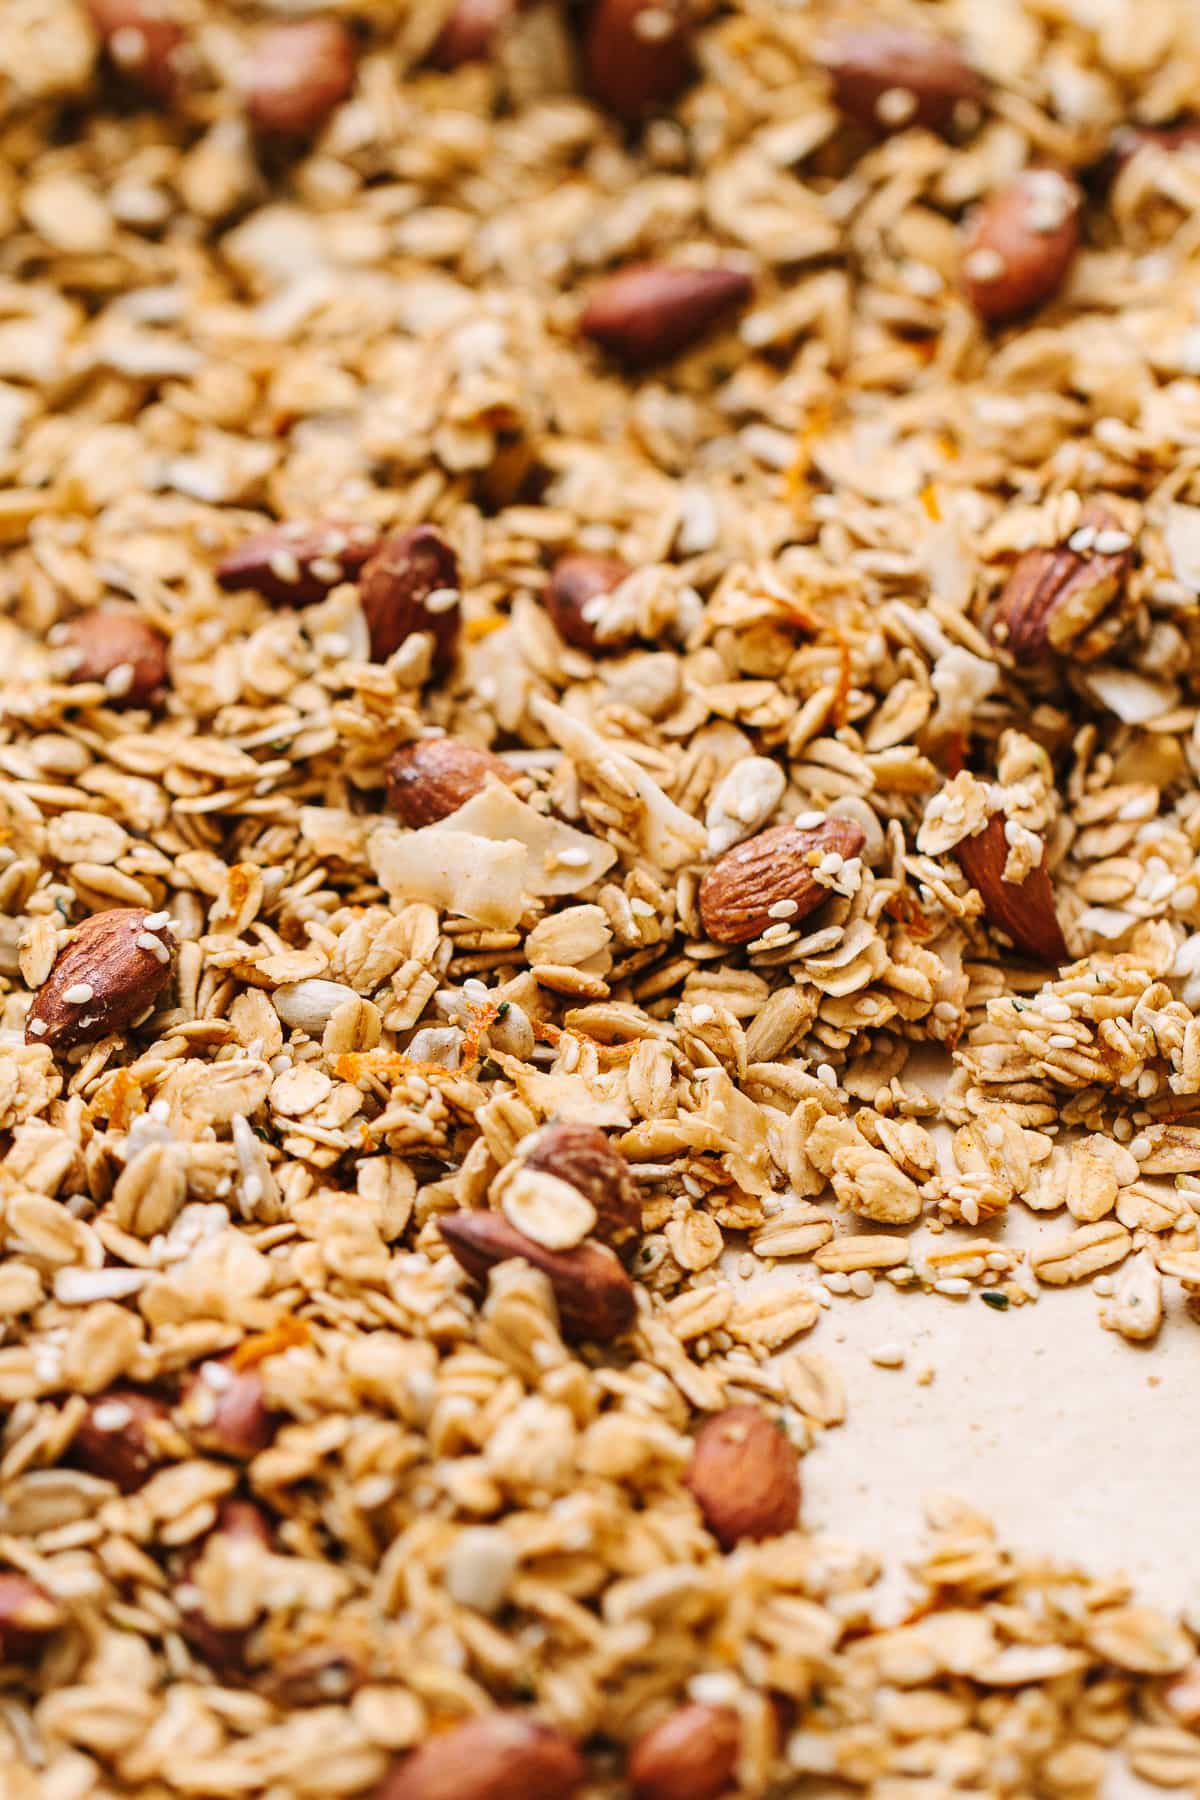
1134,698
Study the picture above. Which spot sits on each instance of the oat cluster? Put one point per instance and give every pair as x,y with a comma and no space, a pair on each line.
598,753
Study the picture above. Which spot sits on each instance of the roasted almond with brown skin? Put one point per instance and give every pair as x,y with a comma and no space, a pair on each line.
744,1476
409,585
1023,910
111,972
692,1754
117,647
637,54
432,778
651,311
501,1756
594,1294
887,78
470,31
298,563
769,879
28,1616
583,1156
122,1437
1055,595
223,1412
223,1647
300,73
143,43
1020,245
575,595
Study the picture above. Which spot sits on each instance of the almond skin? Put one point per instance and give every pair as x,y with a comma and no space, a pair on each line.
594,1294
470,32
107,957
886,78
28,1616
320,1675
1054,595
1183,135
502,1756
650,311
582,1155
297,564
1024,910
119,1438
223,1412
432,778
142,42
574,582
637,54
118,647
744,1476
690,1755
1020,245
395,586
737,894
300,73
223,1647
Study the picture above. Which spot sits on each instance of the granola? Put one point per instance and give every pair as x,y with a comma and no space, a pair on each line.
597,759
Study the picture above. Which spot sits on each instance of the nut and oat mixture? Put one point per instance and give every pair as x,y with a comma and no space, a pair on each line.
599,609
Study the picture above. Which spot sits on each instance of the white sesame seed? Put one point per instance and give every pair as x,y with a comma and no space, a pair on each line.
783,909
111,1415
896,106
37,1027
862,1284
1056,1012
703,1015
1111,543
1082,540
146,940
217,1376
155,921
1140,1148
808,821
1059,1040
888,1356
946,1011
573,858
836,1282
128,47
653,24
284,566
119,680
79,993
325,569
441,600
828,1074
641,909
774,933
1103,1285
953,1285
984,264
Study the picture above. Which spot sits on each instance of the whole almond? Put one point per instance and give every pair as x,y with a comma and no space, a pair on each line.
744,1476
650,311
432,778
121,1437
223,1647
297,564
637,53
112,971
143,43
886,78
1055,595
1020,245
117,647
470,31
409,585
583,1156
28,1616
692,1754
769,879
576,582
594,1294
223,1412
1022,909
300,73
501,1756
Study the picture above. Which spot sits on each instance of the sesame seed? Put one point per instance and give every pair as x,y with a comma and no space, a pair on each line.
703,1015
946,1011
1082,540
808,821
155,921
38,1027
1111,543
284,566
653,24
984,264
1140,1148
119,680
862,1284
888,1356
146,940
441,600
783,909
896,106
774,933
828,1074
79,993
641,909
953,1285
128,47
574,858
325,569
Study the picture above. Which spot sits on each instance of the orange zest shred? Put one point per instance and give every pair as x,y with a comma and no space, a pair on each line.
929,501
287,1334
839,712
